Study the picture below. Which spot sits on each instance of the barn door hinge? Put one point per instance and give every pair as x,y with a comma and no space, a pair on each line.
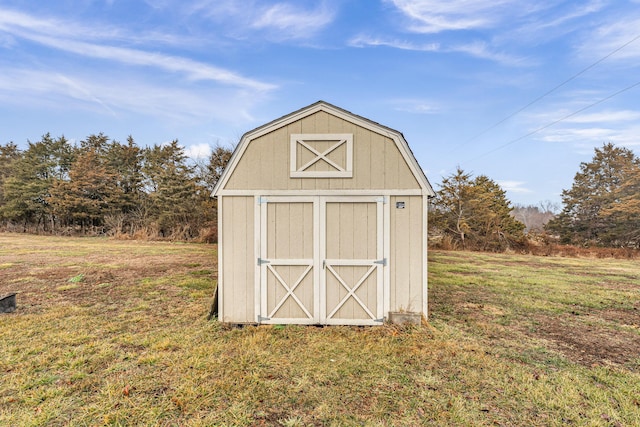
382,199
262,199
382,262
262,319
379,320
263,261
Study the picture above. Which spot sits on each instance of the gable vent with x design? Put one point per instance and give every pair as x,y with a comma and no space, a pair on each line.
322,155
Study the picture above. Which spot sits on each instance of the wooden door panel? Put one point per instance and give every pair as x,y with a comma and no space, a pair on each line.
354,261
288,260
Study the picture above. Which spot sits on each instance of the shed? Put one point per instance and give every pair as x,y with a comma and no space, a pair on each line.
322,219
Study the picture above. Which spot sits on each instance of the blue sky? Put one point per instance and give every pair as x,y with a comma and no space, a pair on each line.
445,74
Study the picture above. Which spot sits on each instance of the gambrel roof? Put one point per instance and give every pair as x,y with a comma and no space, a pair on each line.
322,106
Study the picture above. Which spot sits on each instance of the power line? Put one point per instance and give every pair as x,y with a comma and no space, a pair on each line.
548,92
558,121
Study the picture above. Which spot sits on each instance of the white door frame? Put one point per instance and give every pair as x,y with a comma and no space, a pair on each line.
320,265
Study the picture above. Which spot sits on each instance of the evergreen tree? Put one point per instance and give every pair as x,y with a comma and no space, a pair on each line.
218,161
90,193
173,193
9,153
600,206
26,191
624,214
450,211
492,221
474,212
98,143
125,162
208,175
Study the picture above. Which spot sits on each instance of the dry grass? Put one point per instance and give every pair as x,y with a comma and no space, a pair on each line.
115,333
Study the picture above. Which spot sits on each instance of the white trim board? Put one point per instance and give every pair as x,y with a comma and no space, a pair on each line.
336,192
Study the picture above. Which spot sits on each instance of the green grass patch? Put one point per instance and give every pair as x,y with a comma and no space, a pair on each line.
187,281
70,286
202,273
77,278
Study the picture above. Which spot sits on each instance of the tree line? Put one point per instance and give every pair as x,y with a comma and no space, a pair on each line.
103,186
601,209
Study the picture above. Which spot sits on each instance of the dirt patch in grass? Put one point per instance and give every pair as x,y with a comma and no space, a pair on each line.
624,317
601,337
587,342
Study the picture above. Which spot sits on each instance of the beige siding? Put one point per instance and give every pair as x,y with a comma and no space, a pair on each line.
238,260
377,162
406,254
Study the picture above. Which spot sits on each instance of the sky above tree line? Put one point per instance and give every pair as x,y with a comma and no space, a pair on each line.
520,91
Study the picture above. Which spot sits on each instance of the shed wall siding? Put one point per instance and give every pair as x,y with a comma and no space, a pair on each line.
377,162
407,257
238,260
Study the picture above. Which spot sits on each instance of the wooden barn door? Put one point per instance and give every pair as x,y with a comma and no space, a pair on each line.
288,260
352,248
321,260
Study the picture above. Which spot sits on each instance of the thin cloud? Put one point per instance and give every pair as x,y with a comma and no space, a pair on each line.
6,41
76,92
434,16
48,33
514,186
194,70
279,21
416,106
33,85
477,49
606,117
589,134
592,136
580,11
510,23
17,22
298,23
588,129
366,41
79,91
483,51
611,36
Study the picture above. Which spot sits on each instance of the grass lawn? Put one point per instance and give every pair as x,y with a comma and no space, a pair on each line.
112,332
